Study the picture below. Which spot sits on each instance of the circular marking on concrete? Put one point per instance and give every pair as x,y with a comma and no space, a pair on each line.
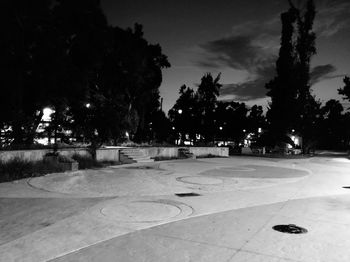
238,169
255,171
140,211
199,180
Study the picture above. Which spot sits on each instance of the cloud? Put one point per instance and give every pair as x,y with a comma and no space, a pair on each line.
236,51
251,89
248,46
332,17
251,47
321,72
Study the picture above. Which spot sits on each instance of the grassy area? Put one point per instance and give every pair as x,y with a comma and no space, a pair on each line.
18,169
87,162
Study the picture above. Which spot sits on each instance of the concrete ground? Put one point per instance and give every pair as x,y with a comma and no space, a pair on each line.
132,213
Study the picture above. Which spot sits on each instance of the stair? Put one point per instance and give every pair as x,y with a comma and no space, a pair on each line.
133,155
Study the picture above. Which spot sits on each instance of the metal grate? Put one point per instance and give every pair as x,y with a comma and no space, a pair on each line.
346,187
290,229
187,194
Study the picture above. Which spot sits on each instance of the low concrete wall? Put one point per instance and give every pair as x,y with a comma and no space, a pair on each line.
111,154
160,151
205,151
107,154
103,154
171,152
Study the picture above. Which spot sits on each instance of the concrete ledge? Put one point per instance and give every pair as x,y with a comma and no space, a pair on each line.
112,154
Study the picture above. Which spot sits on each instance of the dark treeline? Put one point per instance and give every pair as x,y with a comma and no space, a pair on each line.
99,80
293,110
293,106
198,116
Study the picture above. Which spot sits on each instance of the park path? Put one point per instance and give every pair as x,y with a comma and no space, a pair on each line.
131,213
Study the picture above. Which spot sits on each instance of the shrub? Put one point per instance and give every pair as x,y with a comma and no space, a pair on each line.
65,159
86,162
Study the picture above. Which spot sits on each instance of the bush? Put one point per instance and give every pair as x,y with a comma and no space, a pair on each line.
65,159
18,169
86,162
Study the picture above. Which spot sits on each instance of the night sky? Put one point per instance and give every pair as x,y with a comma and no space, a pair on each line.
238,38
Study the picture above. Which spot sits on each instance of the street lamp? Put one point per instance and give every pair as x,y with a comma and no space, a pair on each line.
179,111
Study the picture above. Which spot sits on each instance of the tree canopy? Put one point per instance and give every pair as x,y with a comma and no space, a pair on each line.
100,81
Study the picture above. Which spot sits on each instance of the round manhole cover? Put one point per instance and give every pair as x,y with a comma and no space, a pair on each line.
290,229
140,211
199,180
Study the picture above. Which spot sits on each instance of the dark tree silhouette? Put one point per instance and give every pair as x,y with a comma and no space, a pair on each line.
100,81
345,91
282,112
308,107
333,126
25,76
236,121
208,90
256,119
292,104
184,115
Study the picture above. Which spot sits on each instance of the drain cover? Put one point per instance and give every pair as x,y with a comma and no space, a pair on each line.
346,187
187,194
290,229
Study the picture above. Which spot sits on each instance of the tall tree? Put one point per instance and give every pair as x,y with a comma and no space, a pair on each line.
208,90
184,115
308,107
24,47
292,104
282,90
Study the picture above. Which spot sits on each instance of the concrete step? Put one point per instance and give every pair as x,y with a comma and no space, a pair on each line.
125,159
134,155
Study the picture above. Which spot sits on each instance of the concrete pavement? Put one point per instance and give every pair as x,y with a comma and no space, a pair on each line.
131,213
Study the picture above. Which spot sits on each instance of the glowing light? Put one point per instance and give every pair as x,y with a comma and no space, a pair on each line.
220,127
179,111
173,127
259,130
88,105
47,114
296,141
